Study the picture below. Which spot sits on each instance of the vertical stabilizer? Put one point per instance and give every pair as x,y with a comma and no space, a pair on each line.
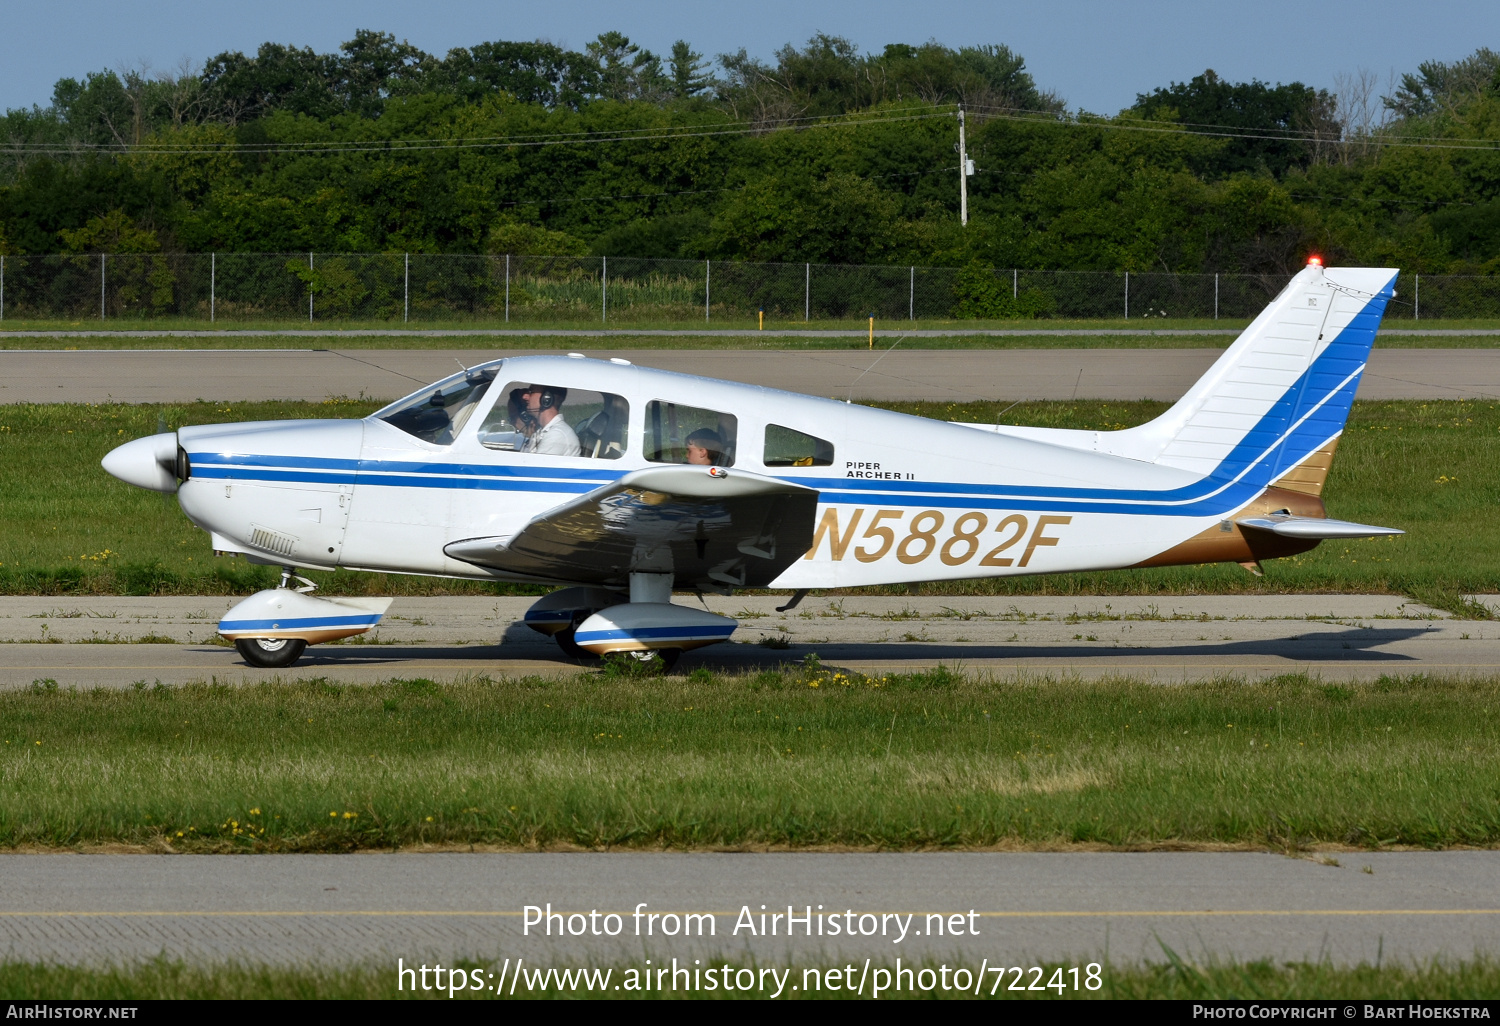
1272,407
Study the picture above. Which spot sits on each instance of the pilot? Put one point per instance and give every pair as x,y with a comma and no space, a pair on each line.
515,412
550,435
705,448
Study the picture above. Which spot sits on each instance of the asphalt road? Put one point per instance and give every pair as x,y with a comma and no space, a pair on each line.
1026,908
1348,637
134,376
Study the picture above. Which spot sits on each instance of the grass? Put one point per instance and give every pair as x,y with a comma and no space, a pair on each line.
612,342
1426,467
1200,334
166,979
803,757
722,320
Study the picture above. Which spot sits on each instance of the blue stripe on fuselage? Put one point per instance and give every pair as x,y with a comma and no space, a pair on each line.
1308,415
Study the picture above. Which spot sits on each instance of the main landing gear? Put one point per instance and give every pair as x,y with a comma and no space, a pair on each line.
270,653
642,628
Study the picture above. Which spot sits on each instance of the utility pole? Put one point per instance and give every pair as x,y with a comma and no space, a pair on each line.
963,173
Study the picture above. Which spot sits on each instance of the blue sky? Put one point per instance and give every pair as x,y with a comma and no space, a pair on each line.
1096,54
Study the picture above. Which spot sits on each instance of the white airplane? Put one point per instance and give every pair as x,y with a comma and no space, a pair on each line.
624,484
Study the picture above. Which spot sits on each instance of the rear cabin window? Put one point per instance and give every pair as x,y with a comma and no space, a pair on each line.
688,434
788,447
553,420
438,414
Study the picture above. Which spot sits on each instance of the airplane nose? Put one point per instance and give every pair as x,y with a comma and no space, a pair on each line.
149,462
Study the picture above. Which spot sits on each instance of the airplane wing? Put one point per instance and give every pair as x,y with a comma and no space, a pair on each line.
713,528
1289,526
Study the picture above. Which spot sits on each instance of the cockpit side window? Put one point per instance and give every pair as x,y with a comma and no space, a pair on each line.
687,434
788,447
438,414
551,420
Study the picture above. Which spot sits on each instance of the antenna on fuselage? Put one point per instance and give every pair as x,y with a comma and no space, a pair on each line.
1003,412
850,397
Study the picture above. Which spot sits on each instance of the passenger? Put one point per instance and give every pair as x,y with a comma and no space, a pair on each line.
705,448
551,435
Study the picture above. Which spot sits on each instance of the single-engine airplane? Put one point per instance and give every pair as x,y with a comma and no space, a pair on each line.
623,484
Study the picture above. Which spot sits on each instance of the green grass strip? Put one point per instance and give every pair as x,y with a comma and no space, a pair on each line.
1427,467
1033,336
166,979
804,757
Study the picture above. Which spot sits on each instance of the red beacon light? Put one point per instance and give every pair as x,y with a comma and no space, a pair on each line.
1314,261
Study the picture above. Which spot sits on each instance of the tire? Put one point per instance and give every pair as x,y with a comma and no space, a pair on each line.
571,649
270,653
668,657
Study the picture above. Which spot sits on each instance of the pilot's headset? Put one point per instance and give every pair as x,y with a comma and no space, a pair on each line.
551,397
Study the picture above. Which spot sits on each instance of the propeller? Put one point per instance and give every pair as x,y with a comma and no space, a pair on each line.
171,468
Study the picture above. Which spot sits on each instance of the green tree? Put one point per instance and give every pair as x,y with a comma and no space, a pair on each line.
979,293
374,66
841,219
626,72
1289,110
334,285
538,73
511,236
276,78
113,232
143,284
1445,86
690,74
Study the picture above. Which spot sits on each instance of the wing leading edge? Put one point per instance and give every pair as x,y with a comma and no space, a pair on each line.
711,528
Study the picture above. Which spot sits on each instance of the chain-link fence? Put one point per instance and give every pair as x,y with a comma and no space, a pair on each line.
418,288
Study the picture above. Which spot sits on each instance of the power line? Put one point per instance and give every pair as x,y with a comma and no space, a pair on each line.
380,146
1223,132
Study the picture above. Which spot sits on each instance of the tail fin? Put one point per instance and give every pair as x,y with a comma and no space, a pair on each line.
1271,409
1309,476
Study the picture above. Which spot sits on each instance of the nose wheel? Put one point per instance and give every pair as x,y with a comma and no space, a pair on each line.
270,653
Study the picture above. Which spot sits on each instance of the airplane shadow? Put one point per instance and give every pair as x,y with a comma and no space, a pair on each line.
521,643
1331,647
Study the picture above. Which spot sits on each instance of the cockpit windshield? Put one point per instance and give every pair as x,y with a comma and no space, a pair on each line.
437,413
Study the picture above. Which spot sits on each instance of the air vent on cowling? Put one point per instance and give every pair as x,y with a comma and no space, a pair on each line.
271,541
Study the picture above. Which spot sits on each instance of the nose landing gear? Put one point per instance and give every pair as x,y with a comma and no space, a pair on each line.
272,628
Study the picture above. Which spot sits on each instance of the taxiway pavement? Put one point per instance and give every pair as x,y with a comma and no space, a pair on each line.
1027,908
117,642
139,376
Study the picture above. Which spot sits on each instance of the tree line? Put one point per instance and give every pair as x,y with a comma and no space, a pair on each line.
822,154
